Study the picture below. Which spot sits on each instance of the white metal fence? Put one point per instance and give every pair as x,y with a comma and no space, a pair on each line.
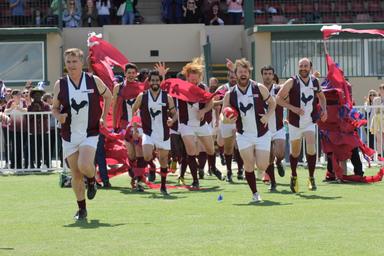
31,141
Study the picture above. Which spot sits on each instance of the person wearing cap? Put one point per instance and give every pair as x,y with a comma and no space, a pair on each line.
38,128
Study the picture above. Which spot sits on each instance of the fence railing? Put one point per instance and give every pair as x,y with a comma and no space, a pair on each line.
357,57
30,142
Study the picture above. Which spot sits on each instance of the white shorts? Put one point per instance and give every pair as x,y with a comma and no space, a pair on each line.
156,142
199,131
227,130
171,131
72,147
215,131
297,133
247,140
278,135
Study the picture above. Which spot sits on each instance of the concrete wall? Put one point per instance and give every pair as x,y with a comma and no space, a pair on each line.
263,52
77,37
226,42
54,57
361,86
174,43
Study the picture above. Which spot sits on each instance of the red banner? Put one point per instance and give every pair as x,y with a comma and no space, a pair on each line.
329,31
186,91
103,56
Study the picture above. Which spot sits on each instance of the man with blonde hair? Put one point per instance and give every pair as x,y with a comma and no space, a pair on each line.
193,123
253,137
76,105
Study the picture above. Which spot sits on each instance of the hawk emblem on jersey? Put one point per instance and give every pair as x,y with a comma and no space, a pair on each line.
245,109
77,106
154,114
306,99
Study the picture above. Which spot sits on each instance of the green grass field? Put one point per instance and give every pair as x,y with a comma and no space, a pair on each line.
338,219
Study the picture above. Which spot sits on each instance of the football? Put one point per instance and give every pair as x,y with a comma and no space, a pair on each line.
230,112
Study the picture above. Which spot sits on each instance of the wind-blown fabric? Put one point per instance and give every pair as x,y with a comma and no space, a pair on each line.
338,135
103,57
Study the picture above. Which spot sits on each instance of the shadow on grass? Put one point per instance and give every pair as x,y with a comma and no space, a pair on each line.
284,192
318,197
351,183
151,193
92,224
201,190
126,191
235,183
264,203
168,197
282,184
7,248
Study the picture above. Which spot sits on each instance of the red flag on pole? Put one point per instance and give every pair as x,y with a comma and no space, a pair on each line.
103,56
329,31
336,78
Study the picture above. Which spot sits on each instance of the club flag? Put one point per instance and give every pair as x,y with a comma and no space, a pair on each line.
103,57
185,91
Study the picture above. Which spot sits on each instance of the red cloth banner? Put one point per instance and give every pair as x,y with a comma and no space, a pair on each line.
103,56
329,31
186,91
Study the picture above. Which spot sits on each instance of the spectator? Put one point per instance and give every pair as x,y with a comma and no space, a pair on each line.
138,18
129,15
369,112
38,129
206,6
26,92
172,11
4,120
8,94
381,93
71,15
235,11
55,10
377,126
90,15
103,13
213,16
16,107
313,17
25,95
191,12
17,12
143,74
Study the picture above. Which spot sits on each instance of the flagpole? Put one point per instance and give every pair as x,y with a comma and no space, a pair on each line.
325,46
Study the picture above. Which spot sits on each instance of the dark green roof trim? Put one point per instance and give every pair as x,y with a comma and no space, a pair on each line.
310,27
29,31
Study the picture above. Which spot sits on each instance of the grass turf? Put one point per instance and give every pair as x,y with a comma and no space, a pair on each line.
338,219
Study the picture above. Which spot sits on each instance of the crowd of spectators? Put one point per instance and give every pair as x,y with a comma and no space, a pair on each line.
95,13
209,12
27,137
